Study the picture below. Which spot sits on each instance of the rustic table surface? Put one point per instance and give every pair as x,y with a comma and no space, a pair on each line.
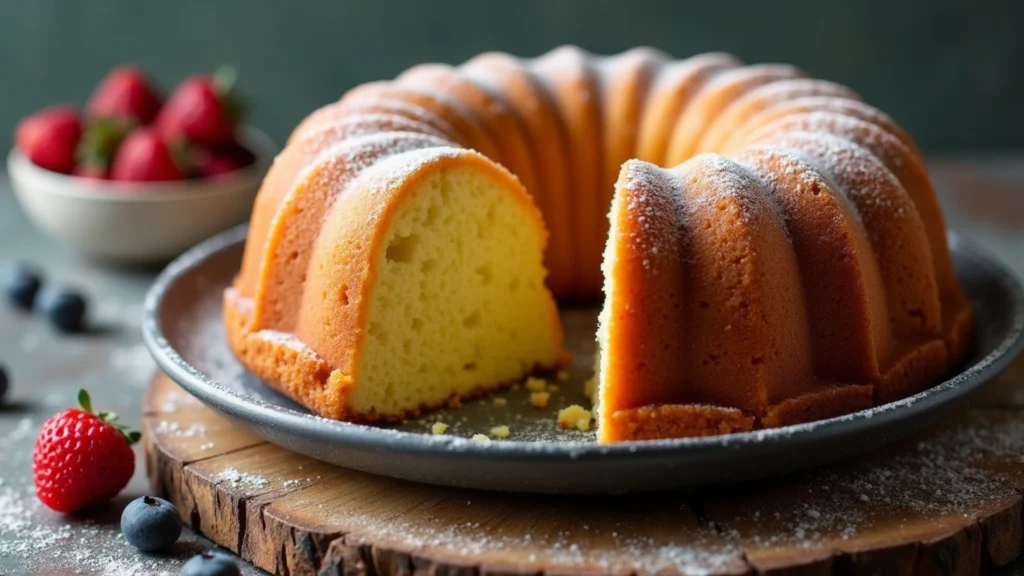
983,197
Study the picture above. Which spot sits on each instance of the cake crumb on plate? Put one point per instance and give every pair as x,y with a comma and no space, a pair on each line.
540,399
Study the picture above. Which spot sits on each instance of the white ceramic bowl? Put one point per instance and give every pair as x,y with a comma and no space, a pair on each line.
131,222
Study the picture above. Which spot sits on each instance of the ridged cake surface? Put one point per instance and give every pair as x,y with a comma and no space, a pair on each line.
768,247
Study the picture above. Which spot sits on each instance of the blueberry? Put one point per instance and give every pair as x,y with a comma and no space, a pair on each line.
211,563
4,383
64,307
150,523
20,284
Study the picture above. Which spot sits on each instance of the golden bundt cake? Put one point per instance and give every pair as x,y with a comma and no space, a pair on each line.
502,74
568,73
769,247
437,294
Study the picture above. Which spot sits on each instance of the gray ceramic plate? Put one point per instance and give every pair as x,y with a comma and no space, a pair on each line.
183,331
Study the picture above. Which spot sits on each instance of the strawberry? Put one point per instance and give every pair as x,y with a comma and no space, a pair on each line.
214,165
203,109
91,172
96,149
220,158
81,458
145,156
126,95
49,137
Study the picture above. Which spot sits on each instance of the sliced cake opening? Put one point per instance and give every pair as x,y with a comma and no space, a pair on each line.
459,306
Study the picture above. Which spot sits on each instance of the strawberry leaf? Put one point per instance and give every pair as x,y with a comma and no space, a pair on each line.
225,80
100,141
84,401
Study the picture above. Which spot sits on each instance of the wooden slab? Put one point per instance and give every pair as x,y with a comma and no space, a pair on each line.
945,502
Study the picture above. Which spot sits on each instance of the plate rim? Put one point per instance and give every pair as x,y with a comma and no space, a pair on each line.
382,440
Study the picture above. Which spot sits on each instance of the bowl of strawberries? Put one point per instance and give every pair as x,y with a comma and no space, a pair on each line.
134,178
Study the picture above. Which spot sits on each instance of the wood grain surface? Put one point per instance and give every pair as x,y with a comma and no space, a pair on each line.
944,502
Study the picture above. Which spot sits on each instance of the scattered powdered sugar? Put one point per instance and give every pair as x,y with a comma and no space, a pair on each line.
24,429
170,428
651,199
341,164
288,340
358,125
396,107
837,105
857,172
693,549
237,478
29,532
951,472
889,149
792,88
170,402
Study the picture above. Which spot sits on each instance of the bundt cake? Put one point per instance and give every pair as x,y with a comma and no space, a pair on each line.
769,247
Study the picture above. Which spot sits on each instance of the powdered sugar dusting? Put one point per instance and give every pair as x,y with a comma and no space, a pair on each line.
838,105
788,90
956,472
287,340
171,428
571,539
338,166
236,478
882,144
859,174
387,175
360,125
650,198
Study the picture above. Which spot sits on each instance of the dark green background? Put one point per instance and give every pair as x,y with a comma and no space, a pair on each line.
951,72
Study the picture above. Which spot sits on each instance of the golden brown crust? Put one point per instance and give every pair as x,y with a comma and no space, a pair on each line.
306,378
569,75
626,79
673,421
827,403
736,114
675,85
471,132
491,110
714,97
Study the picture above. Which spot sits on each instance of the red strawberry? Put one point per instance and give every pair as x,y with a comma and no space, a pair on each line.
215,165
221,158
144,156
97,147
49,138
81,458
202,110
125,94
90,171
